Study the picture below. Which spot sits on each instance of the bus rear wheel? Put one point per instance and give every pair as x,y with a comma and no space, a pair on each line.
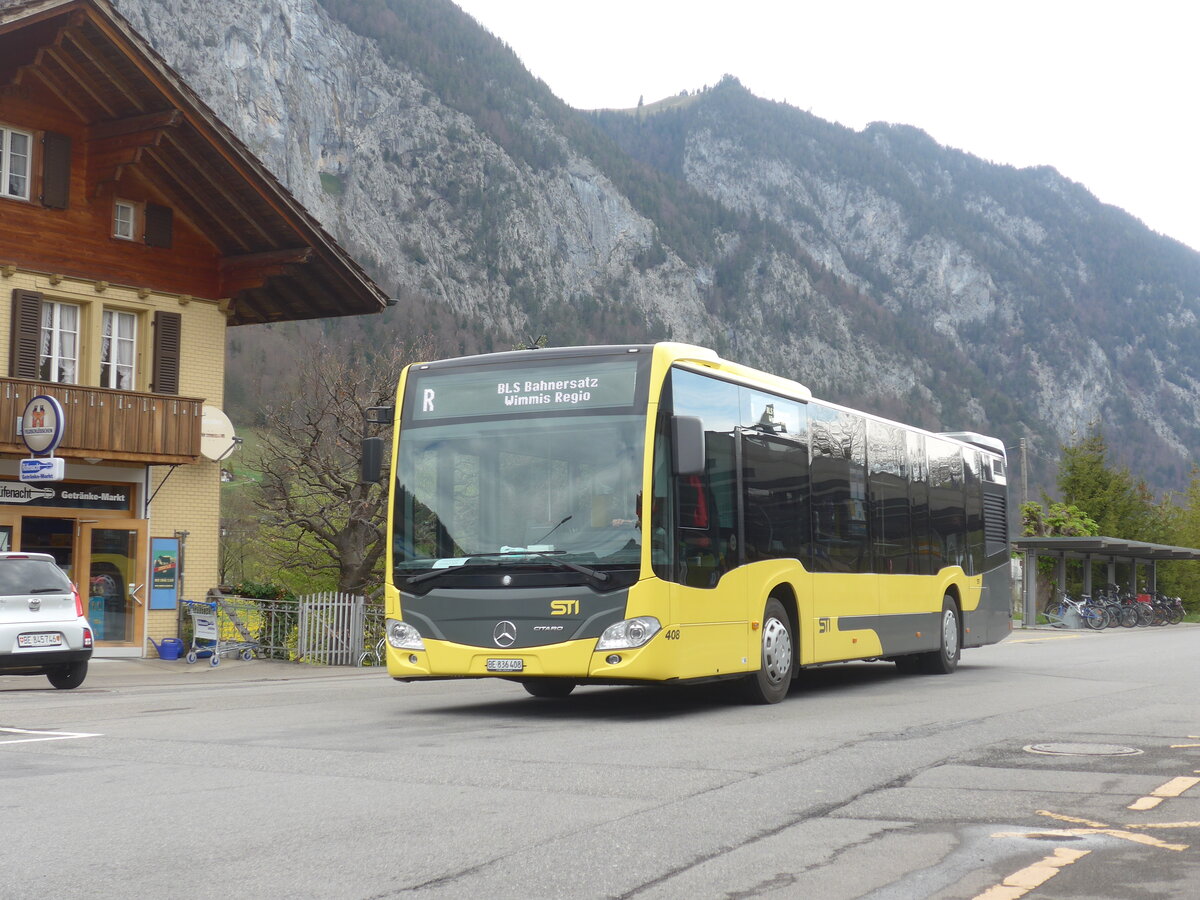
549,688
774,676
944,660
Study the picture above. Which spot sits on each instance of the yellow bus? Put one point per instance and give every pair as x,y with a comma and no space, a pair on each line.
656,514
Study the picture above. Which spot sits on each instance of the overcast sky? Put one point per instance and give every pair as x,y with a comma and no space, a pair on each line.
1106,92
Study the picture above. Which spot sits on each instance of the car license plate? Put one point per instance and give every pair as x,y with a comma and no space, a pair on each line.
505,665
45,639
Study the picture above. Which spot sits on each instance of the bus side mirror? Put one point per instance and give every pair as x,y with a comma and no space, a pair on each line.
372,460
380,415
687,445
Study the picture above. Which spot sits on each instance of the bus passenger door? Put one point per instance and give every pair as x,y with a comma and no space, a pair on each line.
712,627
708,596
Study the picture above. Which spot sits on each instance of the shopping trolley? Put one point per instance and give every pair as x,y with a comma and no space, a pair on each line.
206,634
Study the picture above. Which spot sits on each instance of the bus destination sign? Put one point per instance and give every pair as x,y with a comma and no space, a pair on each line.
582,385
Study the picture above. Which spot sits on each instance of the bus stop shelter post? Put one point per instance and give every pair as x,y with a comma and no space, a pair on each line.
1060,572
1031,561
1087,574
1133,586
1152,576
1112,570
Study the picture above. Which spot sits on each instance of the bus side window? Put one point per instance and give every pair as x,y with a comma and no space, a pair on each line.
662,507
693,504
702,548
839,491
706,516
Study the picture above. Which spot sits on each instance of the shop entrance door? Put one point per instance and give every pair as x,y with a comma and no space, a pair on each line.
113,555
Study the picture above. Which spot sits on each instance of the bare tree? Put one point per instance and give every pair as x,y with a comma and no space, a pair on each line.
318,517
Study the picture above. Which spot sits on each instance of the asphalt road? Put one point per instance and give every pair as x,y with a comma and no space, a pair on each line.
271,780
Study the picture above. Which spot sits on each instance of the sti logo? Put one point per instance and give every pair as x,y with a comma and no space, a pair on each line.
564,607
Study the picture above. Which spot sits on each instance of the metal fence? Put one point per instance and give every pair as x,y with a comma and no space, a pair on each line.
322,629
330,630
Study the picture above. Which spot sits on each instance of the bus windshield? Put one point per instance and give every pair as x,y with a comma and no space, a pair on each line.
520,490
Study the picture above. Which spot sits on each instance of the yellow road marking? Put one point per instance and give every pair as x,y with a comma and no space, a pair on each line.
1142,839
1175,787
1052,637
1060,817
1166,825
1172,788
1083,832
1021,882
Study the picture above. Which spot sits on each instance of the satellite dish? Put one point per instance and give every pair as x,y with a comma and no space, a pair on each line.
216,434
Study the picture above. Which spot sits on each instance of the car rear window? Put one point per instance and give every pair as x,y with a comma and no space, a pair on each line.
31,576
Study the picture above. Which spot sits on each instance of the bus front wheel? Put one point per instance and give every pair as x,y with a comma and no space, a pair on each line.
774,676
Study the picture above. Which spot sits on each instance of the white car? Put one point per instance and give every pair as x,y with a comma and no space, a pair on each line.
42,627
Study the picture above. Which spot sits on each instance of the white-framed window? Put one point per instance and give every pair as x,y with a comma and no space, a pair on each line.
59,357
118,350
124,220
16,152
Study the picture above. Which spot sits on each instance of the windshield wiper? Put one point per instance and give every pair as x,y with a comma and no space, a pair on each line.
575,567
433,573
549,556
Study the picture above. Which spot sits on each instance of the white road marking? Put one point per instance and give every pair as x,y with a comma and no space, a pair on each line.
43,735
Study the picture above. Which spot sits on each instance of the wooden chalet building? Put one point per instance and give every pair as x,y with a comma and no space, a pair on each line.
134,229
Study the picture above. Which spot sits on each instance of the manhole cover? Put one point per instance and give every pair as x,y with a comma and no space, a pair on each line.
1082,750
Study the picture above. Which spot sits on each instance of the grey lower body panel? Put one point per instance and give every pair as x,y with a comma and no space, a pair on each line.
905,633
992,621
901,633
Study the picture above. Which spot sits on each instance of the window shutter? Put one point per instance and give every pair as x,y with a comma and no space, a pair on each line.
159,220
26,334
167,329
56,170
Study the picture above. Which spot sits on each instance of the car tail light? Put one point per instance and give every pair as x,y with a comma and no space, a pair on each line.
87,638
78,601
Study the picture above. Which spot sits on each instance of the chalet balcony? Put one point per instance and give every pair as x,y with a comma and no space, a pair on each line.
106,424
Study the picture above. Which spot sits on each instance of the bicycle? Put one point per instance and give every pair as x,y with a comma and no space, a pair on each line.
1095,614
376,656
1120,606
1064,611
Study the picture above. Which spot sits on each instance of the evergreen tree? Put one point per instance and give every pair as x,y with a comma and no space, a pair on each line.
1120,506
1182,578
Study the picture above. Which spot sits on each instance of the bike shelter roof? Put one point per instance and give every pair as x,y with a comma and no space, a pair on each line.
1104,547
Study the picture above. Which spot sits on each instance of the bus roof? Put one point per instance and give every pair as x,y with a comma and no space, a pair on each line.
705,358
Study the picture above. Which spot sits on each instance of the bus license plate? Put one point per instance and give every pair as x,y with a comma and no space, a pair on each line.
45,639
505,665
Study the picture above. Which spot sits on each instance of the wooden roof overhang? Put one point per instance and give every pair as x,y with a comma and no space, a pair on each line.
277,262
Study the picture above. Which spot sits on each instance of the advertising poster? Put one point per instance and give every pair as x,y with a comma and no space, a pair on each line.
164,573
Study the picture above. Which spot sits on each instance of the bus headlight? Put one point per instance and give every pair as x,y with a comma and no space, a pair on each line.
403,636
629,633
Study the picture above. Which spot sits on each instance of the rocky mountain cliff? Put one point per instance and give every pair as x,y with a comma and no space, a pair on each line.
881,269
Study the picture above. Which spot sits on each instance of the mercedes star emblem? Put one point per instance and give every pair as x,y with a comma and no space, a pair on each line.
505,634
